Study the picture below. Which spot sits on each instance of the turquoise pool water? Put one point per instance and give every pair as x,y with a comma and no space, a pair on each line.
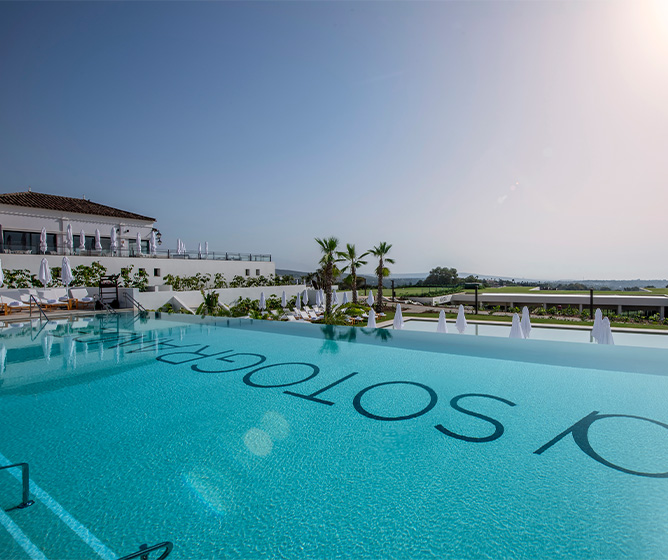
248,439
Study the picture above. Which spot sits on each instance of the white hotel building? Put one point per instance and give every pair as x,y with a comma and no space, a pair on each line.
24,214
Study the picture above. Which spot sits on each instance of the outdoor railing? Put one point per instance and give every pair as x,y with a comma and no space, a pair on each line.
160,254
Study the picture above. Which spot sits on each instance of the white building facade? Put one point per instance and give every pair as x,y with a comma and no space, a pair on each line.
24,214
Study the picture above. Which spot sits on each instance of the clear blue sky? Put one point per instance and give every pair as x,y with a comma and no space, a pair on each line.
513,138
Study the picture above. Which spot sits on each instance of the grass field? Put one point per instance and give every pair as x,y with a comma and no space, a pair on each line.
425,291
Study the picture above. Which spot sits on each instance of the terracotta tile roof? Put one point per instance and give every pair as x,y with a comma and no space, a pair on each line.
29,199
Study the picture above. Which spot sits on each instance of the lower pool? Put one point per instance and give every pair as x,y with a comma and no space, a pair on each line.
556,333
253,439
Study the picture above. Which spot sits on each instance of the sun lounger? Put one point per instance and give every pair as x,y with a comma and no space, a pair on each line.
10,304
51,300
81,298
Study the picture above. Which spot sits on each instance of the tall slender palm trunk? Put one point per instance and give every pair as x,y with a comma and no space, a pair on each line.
379,301
353,275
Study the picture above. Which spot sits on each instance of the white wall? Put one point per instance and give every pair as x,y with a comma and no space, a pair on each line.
176,267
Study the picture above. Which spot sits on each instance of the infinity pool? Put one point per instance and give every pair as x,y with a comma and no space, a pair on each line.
252,439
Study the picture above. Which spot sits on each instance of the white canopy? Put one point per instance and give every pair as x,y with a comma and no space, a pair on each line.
263,304
138,242
66,272
42,241
442,325
284,302
82,240
598,321
345,298
370,300
461,320
525,324
114,243
44,275
69,241
98,245
372,319
398,322
605,333
516,329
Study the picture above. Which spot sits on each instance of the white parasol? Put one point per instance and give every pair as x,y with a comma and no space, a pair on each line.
398,322
516,329
442,326
44,275
461,320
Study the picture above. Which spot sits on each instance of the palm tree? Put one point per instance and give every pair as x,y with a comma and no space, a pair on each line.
380,252
354,262
328,247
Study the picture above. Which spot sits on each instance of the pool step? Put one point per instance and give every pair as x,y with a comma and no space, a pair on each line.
37,532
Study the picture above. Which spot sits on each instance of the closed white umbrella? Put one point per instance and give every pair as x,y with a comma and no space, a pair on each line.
516,328
317,298
526,322
183,248
66,272
82,240
2,275
113,245
598,321
305,298
179,249
138,242
42,241
44,275
371,323
442,325
263,304
98,245
322,297
345,298
335,298
605,333
284,302
398,322
206,248
369,300
152,244
199,251
69,240
298,303
47,342
461,320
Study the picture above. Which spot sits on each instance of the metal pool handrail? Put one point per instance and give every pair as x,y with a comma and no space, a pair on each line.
25,480
108,308
41,311
134,302
143,551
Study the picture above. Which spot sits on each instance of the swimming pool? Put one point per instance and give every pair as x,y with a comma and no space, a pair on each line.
252,439
566,334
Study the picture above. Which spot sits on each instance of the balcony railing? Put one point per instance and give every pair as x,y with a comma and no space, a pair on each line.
131,253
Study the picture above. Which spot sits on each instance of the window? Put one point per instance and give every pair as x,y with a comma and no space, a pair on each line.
248,272
156,272
257,272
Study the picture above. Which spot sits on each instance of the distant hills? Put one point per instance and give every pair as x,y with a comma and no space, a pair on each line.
411,278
